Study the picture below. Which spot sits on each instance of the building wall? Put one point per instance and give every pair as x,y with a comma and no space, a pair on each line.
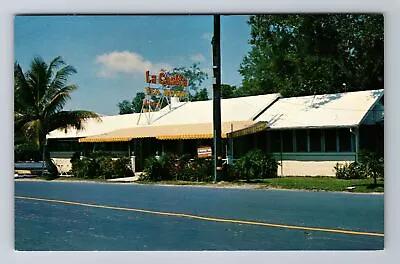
311,164
308,168
302,152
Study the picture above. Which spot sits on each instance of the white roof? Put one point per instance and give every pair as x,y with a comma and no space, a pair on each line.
232,109
328,110
92,127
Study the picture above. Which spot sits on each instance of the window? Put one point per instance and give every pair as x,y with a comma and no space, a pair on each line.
315,140
344,140
330,140
275,141
301,141
287,140
63,145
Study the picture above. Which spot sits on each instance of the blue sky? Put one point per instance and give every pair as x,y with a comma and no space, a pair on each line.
111,53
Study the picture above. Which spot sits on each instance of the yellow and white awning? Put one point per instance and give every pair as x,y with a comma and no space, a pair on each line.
174,132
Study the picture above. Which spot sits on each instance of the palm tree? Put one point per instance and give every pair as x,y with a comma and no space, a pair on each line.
39,97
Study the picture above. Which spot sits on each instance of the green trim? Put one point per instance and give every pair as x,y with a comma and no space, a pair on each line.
61,154
316,156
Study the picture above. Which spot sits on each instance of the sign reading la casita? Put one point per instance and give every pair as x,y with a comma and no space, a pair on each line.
165,79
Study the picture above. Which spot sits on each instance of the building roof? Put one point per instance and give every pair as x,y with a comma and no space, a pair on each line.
179,131
232,109
183,119
94,127
328,110
180,113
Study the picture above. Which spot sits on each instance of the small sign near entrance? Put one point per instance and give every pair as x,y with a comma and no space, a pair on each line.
204,152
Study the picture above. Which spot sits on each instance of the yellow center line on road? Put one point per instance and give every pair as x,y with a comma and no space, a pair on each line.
348,232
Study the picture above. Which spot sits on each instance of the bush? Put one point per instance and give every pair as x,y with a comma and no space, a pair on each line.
370,165
350,171
181,168
229,173
123,168
200,170
83,168
105,168
101,167
153,169
255,165
374,165
27,151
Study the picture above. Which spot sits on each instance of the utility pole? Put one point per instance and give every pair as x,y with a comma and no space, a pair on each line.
217,99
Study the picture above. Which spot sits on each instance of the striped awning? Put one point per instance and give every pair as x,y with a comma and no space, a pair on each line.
169,132
251,129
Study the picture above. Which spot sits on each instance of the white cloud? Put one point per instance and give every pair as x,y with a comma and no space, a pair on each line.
197,57
126,62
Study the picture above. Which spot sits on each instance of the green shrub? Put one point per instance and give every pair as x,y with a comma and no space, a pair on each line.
84,168
255,165
373,164
350,171
153,169
181,168
200,170
370,165
229,173
105,167
27,151
101,167
122,167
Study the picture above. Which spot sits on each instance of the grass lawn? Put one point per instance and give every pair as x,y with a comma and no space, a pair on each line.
299,183
324,184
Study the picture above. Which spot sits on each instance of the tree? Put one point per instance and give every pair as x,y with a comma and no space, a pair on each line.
125,107
201,95
194,75
228,91
137,102
313,54
39,97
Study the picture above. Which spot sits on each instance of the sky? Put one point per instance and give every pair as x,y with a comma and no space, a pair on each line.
112,53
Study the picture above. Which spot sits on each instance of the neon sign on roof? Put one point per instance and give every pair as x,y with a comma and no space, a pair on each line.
167,80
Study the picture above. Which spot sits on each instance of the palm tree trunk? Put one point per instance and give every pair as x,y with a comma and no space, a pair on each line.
51,168
43,158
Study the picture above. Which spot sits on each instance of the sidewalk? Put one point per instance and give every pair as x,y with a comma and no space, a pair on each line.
127,179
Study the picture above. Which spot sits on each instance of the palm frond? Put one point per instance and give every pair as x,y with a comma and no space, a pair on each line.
56,63
22,90
32,130
68,119
58,101
37,78
58,83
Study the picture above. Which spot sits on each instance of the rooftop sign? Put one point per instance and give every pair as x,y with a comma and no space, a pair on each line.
168,80
165,79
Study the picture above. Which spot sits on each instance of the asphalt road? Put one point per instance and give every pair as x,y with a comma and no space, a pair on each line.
47,225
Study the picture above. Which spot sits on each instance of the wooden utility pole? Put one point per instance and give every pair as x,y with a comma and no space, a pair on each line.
217,99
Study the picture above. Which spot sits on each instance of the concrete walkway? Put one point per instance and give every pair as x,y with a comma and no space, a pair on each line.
127,179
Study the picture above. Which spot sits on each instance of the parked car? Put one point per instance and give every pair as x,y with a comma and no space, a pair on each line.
29,169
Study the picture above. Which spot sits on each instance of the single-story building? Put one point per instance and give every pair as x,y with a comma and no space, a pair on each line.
308,134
